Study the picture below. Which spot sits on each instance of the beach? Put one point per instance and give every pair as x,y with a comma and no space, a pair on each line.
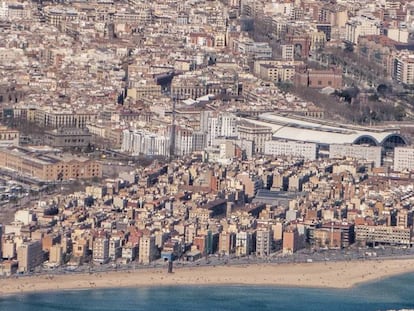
343,274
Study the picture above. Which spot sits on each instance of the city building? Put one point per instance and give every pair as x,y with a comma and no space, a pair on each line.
324,133
147,249
292,240
68,138
29,256
319,79
404,158
361,26
244,243
48,166
56,255
300,149
371,234
100,250
403,67
264,242
8,137
366,152
258,134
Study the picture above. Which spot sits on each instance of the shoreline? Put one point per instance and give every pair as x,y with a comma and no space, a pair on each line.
334,275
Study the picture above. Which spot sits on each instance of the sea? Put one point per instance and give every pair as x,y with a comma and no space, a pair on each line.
395,293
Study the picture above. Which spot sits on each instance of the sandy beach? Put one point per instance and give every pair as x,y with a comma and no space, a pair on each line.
321,274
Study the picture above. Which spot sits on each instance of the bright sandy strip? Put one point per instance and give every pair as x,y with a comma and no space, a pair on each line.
321,274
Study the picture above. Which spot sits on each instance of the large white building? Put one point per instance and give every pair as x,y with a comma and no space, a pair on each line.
324,133
301,149
404,158
14,11
369,153
139,142
223,125
361,26
250,48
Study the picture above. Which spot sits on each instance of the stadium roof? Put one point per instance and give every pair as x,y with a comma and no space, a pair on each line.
324,133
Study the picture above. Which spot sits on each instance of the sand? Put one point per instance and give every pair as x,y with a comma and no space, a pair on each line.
321,274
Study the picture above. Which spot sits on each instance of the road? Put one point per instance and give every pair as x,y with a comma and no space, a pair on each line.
303,256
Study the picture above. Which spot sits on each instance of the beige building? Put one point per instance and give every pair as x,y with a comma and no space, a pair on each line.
404,158
292,148
227,243
100,250
47,166
29,256
383,234
147,249
8,248
80,248
143,88
9,136
56,254
68,137
59,118
244,243
366,152
403,69
258,134
264,241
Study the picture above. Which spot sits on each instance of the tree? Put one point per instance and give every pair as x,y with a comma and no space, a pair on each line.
399,113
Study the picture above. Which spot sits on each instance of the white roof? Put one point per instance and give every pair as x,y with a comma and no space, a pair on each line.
322,133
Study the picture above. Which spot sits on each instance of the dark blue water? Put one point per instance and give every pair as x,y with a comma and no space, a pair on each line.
394,293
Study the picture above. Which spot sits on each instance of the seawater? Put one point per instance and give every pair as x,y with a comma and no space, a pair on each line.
396,293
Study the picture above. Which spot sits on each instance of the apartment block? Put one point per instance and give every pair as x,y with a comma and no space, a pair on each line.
264,242
369,153
291,148
383,234
404,158
29,256
100,250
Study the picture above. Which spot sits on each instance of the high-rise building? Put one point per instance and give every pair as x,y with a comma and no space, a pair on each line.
291,240
8,248
227,243
29,256
115,250
100,250
288,51
244,243
403,69
56,254
404,218
264,242
260,135
147,249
